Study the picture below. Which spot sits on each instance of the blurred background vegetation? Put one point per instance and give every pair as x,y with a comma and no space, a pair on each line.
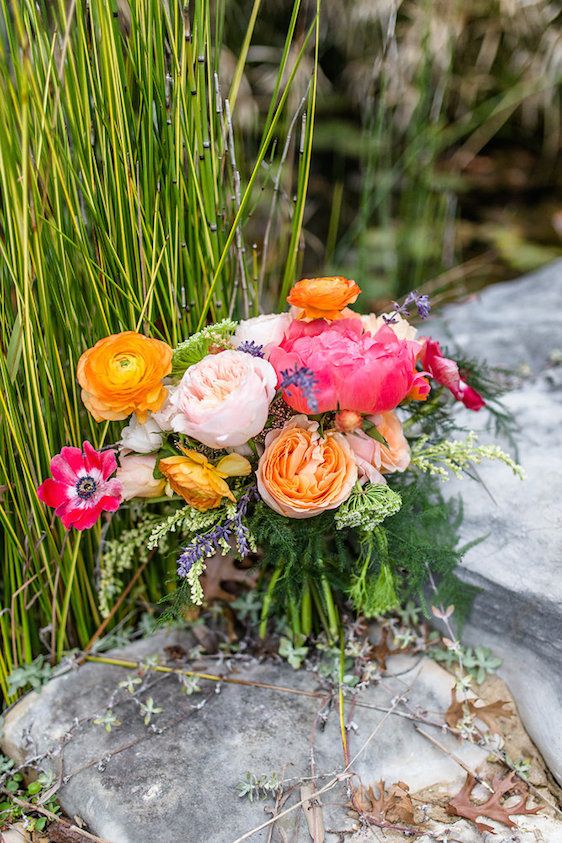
437,138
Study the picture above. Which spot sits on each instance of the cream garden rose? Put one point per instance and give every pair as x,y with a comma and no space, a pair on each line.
136,474
144,438
401,327
223,400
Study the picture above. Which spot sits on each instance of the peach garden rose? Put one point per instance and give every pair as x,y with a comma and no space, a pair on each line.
302,473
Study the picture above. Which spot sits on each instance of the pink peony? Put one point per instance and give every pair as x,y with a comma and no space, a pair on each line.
446,372
354,370
223,400
80,489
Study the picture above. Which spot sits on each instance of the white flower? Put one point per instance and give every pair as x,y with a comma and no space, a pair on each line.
136,473
401,327
223,400
143,438
266,330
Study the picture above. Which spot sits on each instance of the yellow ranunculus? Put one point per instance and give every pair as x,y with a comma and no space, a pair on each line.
200,483
122,374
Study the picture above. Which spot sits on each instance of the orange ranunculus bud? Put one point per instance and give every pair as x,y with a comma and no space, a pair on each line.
323,298
348,420
122,374
302,473
199,482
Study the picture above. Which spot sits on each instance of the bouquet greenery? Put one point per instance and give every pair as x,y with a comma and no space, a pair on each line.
312,441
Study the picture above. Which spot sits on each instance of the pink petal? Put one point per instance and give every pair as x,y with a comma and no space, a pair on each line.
52,493
110,503
108,463
64,466
85,518
92,458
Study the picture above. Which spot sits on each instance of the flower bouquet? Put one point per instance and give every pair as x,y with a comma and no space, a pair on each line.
314,439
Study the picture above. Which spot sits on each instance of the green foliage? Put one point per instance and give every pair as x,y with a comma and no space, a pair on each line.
32,675
423,541
193,349
258,787
367,507
479,661
34,793
458,456
374,595
295,654
120,555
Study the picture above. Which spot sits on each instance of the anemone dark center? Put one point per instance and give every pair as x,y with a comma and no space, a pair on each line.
86,487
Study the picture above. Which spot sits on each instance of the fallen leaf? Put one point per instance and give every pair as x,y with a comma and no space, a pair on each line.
488,714
175,653
313,812
221,570
393,805
61,832
493,808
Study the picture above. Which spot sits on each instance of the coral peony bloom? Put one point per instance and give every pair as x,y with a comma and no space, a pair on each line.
353,370
264,331
136,475
401,327
80,489
223,400
122,374
446,372
323,298
200,483
376,458
302,473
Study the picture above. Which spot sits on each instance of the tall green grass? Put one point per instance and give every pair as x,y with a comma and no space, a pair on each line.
126,192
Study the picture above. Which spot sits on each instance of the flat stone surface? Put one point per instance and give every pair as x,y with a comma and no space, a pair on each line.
179,783
518,325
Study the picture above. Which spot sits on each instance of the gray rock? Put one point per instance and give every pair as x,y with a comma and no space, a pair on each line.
518,566
179,783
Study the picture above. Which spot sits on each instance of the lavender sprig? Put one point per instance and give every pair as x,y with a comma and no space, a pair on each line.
251,347
211,542
422,304
304,379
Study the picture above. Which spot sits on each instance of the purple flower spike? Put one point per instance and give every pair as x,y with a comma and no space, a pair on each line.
421,302
250,347
304,379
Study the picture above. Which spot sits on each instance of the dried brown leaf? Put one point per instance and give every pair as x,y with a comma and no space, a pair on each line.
493,808
488,714
221,570
313,812
392,806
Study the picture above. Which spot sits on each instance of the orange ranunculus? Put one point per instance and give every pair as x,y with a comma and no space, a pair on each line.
323,298
122,374
302,473
199,482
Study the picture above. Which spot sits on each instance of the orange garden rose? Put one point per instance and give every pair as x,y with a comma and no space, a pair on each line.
200,483
302,473
323,298
122,374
